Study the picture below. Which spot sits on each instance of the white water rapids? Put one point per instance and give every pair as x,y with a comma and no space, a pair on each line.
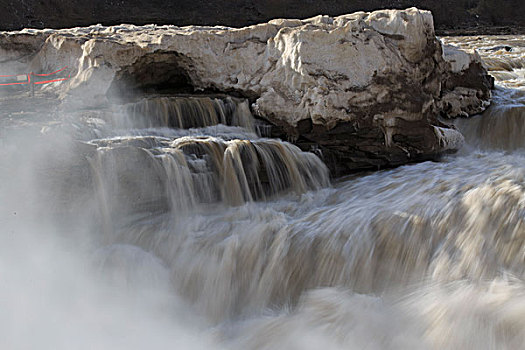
175,225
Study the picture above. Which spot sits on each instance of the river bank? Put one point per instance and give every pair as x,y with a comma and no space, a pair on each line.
449,14
481,30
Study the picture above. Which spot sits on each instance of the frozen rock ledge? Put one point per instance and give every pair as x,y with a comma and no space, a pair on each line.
364,88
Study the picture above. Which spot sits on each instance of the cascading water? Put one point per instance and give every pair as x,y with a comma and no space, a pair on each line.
184,112
191,203
187,167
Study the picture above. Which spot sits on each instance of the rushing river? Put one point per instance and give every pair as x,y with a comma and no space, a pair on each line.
174,223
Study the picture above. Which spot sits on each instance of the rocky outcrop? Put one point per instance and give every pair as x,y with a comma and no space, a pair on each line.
365,89
466,86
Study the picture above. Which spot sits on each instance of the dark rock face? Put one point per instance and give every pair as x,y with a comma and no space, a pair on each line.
351,147
346,149
237,13
475,77
473,84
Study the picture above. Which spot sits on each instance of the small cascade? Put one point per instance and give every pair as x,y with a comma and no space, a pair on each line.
508,61
144,173
263,129
502,126
126,181
184,112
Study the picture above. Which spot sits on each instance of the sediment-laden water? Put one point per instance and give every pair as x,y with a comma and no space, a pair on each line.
174,223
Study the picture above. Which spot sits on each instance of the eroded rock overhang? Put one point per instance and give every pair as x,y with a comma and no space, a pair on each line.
367,89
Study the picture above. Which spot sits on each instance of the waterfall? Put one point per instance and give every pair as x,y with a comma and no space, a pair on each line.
166,143
175,222
500,127
184,112
190,170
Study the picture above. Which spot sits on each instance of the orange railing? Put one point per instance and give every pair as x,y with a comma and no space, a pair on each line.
27,78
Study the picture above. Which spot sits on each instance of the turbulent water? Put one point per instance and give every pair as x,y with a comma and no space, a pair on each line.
174,223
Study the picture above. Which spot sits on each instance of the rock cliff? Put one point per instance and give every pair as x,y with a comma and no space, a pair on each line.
365,89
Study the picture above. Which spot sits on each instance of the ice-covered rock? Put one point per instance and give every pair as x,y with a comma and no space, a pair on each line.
364,88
